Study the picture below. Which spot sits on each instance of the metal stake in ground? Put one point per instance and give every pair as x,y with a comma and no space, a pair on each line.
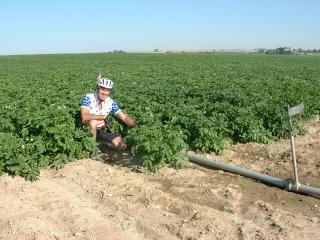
291,112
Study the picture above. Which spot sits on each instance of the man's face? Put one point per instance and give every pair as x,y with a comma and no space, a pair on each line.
103,93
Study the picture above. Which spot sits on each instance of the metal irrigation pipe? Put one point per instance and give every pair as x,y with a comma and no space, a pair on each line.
283,183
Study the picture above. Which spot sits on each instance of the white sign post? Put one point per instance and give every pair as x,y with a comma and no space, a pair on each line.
291,112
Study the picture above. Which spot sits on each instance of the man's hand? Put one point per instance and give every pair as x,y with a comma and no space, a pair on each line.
136,125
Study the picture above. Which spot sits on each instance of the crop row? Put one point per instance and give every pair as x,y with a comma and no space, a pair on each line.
204,102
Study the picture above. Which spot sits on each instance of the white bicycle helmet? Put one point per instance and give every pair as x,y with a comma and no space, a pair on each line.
106,83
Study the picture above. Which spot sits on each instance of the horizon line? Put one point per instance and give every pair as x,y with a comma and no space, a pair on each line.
157,50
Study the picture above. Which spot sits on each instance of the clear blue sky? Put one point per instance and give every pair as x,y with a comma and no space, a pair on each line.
70,26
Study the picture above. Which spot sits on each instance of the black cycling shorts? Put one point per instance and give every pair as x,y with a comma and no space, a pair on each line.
102,135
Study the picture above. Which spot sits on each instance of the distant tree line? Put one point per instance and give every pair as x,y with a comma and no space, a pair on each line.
288,51
116,51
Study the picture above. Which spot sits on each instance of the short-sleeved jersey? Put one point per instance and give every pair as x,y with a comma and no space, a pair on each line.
91,102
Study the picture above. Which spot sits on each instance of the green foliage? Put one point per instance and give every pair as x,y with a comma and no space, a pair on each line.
212,134
14,159
158,145
204,101
247,127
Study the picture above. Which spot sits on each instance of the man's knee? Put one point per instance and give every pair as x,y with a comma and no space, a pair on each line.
119,143
92,124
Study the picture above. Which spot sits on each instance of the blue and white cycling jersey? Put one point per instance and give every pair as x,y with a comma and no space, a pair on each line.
91,101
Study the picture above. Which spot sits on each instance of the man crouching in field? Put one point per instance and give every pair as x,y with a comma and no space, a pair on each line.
95,108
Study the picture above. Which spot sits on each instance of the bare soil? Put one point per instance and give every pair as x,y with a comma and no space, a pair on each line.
118,199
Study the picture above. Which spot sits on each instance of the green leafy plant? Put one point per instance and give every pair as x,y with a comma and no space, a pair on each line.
158,145
204,102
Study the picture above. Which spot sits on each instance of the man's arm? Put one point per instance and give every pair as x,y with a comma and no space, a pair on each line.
126,119
86,116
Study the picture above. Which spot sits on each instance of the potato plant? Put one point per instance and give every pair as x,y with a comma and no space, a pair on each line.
201,101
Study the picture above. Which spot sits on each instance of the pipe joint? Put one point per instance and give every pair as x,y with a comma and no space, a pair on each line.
293,185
